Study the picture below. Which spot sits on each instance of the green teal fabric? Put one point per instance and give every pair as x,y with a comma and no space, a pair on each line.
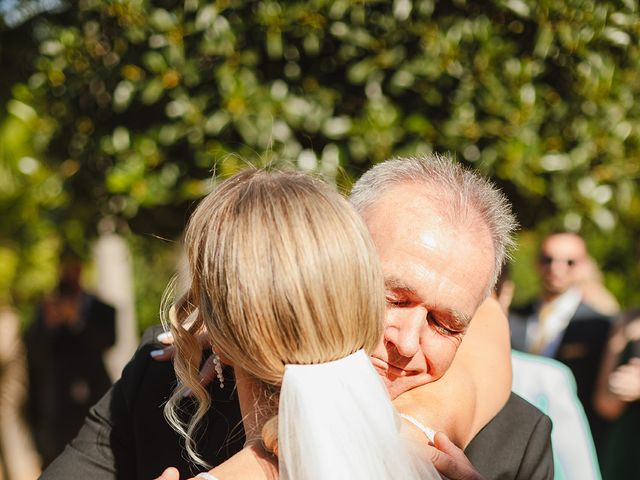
550,386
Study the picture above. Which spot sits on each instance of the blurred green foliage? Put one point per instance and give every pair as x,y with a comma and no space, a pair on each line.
132,108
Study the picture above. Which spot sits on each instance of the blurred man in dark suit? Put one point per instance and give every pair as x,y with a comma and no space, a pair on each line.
560,325
65,345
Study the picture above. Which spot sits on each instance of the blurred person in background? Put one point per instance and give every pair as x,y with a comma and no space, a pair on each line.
561,325
18,457
550,386
618,398
65,345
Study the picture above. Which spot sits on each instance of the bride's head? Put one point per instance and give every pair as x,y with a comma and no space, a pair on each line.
282,272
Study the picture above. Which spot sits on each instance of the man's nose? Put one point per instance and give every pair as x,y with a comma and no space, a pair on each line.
403,330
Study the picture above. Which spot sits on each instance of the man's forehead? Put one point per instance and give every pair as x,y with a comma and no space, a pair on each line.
409,212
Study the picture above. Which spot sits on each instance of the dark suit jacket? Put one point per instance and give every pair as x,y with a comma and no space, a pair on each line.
515,444
125,435
581,348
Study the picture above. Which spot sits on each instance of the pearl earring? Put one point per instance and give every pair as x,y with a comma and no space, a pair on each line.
215,358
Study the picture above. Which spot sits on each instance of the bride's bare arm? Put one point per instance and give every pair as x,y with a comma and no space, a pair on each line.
476,386
485,355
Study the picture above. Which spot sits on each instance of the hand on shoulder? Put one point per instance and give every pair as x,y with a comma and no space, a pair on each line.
450,460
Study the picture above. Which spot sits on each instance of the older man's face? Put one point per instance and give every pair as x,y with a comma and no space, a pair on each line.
436,276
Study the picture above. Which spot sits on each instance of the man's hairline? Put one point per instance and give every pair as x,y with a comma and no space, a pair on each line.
397,182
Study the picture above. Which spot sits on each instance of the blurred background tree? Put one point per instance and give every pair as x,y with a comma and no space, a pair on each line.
119,114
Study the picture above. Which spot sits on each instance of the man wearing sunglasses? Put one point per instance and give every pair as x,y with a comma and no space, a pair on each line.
560,325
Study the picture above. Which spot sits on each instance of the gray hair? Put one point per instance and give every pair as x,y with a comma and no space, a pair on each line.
458,191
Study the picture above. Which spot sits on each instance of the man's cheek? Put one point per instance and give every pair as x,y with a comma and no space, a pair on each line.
441,359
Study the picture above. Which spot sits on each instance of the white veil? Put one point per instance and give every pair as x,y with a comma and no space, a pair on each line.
336,421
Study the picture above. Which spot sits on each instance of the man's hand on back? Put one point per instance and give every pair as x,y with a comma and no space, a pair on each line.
450,461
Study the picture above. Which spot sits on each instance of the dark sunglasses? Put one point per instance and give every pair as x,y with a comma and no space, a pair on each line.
547,260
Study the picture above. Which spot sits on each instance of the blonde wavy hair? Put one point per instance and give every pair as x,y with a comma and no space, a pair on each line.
282,271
